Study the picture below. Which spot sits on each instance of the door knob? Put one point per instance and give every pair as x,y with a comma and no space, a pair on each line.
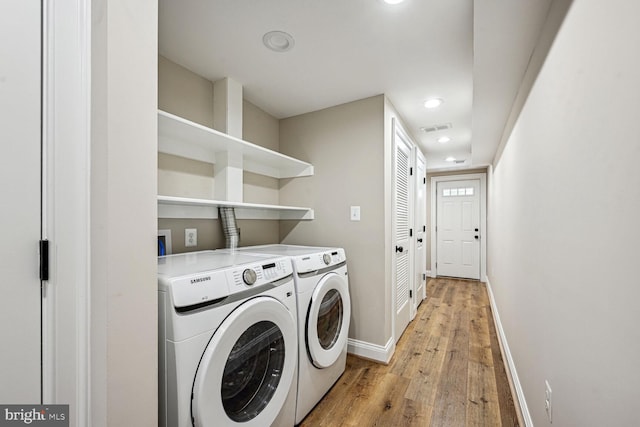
399,249
420,240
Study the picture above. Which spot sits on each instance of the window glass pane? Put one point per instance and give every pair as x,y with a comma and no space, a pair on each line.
446,192
470,191
461,191
454,191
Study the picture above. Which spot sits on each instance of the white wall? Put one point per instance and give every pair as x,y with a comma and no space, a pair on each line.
564,209
123,363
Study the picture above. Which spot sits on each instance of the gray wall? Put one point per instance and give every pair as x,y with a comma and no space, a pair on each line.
345,144
186,94
123,331
563,223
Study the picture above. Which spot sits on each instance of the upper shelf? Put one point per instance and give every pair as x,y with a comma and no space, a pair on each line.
185,138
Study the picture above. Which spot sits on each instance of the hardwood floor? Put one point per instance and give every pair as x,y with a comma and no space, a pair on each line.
447,370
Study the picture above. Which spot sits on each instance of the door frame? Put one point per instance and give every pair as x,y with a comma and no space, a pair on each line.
483,219
66,163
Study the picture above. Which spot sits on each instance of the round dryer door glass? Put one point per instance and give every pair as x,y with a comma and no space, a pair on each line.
253,371
330,319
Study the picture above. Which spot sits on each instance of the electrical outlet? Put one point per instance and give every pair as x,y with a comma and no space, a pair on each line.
547,400
190,237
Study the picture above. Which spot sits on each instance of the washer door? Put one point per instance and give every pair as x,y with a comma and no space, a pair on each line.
246,371
328,317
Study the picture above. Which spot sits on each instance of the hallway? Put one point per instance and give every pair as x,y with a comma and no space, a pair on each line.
447,370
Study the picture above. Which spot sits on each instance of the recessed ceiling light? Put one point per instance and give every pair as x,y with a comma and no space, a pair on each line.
278,41
393,1
450,159
433,103
444,139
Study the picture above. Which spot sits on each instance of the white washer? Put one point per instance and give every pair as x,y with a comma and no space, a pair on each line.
324,312
227,340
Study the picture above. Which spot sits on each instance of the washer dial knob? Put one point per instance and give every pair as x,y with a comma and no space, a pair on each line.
249,276
326,258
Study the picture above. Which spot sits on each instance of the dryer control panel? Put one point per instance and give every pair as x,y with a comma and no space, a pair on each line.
319,260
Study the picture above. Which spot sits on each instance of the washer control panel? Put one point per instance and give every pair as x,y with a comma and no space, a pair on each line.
258,274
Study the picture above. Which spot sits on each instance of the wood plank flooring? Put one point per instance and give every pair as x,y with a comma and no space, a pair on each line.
447,370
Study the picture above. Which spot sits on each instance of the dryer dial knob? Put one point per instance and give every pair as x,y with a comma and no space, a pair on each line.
249,276
326,258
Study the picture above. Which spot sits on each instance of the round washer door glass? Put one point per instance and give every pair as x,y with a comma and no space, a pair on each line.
253,371
246,371
328,320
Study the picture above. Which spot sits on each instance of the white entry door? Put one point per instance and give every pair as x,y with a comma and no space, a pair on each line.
402,223
20,178
458,229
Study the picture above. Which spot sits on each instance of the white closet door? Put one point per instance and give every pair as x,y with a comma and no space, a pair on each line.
20,176
421,228
402,222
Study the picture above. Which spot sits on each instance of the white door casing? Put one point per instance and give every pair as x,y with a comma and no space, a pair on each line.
420,228
402,219
20,184
458,229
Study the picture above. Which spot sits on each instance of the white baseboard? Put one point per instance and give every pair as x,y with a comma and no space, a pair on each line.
506,354
370,351
430,274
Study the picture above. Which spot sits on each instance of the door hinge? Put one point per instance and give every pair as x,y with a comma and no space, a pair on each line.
424,180
424,228
410,171
424,276
410,293
411,232
44,260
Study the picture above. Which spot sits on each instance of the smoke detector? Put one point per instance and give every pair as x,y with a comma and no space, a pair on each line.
278,41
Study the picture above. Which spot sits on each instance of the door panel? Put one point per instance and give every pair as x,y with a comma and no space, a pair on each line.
420,227
457,231
20,177
402,219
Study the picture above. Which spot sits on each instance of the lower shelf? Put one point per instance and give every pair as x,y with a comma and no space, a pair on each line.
184,207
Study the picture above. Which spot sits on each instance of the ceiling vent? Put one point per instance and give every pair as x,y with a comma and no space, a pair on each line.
436,128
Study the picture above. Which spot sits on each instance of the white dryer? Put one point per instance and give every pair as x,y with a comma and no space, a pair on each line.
227,340
324,312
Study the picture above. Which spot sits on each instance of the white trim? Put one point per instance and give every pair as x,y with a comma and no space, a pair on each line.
430,274
506,355
483,218
370,351
66,172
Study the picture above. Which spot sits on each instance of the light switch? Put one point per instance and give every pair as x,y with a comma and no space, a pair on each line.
355,213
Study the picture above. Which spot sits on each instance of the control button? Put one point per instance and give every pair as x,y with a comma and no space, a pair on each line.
326,258
249,276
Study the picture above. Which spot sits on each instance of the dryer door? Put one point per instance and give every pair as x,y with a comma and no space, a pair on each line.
327,326
246,371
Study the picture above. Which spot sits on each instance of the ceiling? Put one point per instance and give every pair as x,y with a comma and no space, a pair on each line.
472,54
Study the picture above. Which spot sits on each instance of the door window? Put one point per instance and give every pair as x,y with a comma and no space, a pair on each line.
330,319
253,371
